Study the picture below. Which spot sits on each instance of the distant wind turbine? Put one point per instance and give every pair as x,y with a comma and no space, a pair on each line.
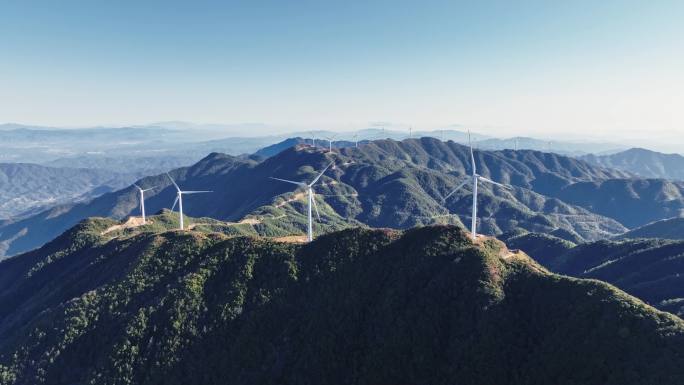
179,198
330,140
312,202
142,199
475,178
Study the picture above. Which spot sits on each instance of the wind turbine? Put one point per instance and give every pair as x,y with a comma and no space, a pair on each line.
312,201
142,199
330,139
475,178
179,198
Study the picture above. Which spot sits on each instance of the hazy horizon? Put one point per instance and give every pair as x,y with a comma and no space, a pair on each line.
608,71
247,130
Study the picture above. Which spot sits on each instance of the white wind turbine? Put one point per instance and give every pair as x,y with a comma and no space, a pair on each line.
142,199
179,198
330,140
475,178
312,201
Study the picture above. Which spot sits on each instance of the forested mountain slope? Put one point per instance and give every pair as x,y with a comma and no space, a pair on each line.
425,306
650,269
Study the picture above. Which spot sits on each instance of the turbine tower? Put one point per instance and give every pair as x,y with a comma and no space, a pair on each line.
311,201
179,198
330,140
475,178
142,200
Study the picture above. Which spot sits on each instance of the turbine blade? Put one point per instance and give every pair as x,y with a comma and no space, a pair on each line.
174,203
321,174
194,192
138,187
148,189
313,199
454,190
174,182
289,181
492,182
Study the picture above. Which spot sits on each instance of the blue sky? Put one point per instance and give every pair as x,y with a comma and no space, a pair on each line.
507,67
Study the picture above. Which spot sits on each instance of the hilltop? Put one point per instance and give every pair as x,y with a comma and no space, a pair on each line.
423,306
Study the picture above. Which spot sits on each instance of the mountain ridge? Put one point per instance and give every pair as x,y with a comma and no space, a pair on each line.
642,162
382,184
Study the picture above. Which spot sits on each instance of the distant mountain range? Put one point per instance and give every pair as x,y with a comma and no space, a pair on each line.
381,184
142,165
425,306
26,188
146,148
556,146
134,149
642,162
